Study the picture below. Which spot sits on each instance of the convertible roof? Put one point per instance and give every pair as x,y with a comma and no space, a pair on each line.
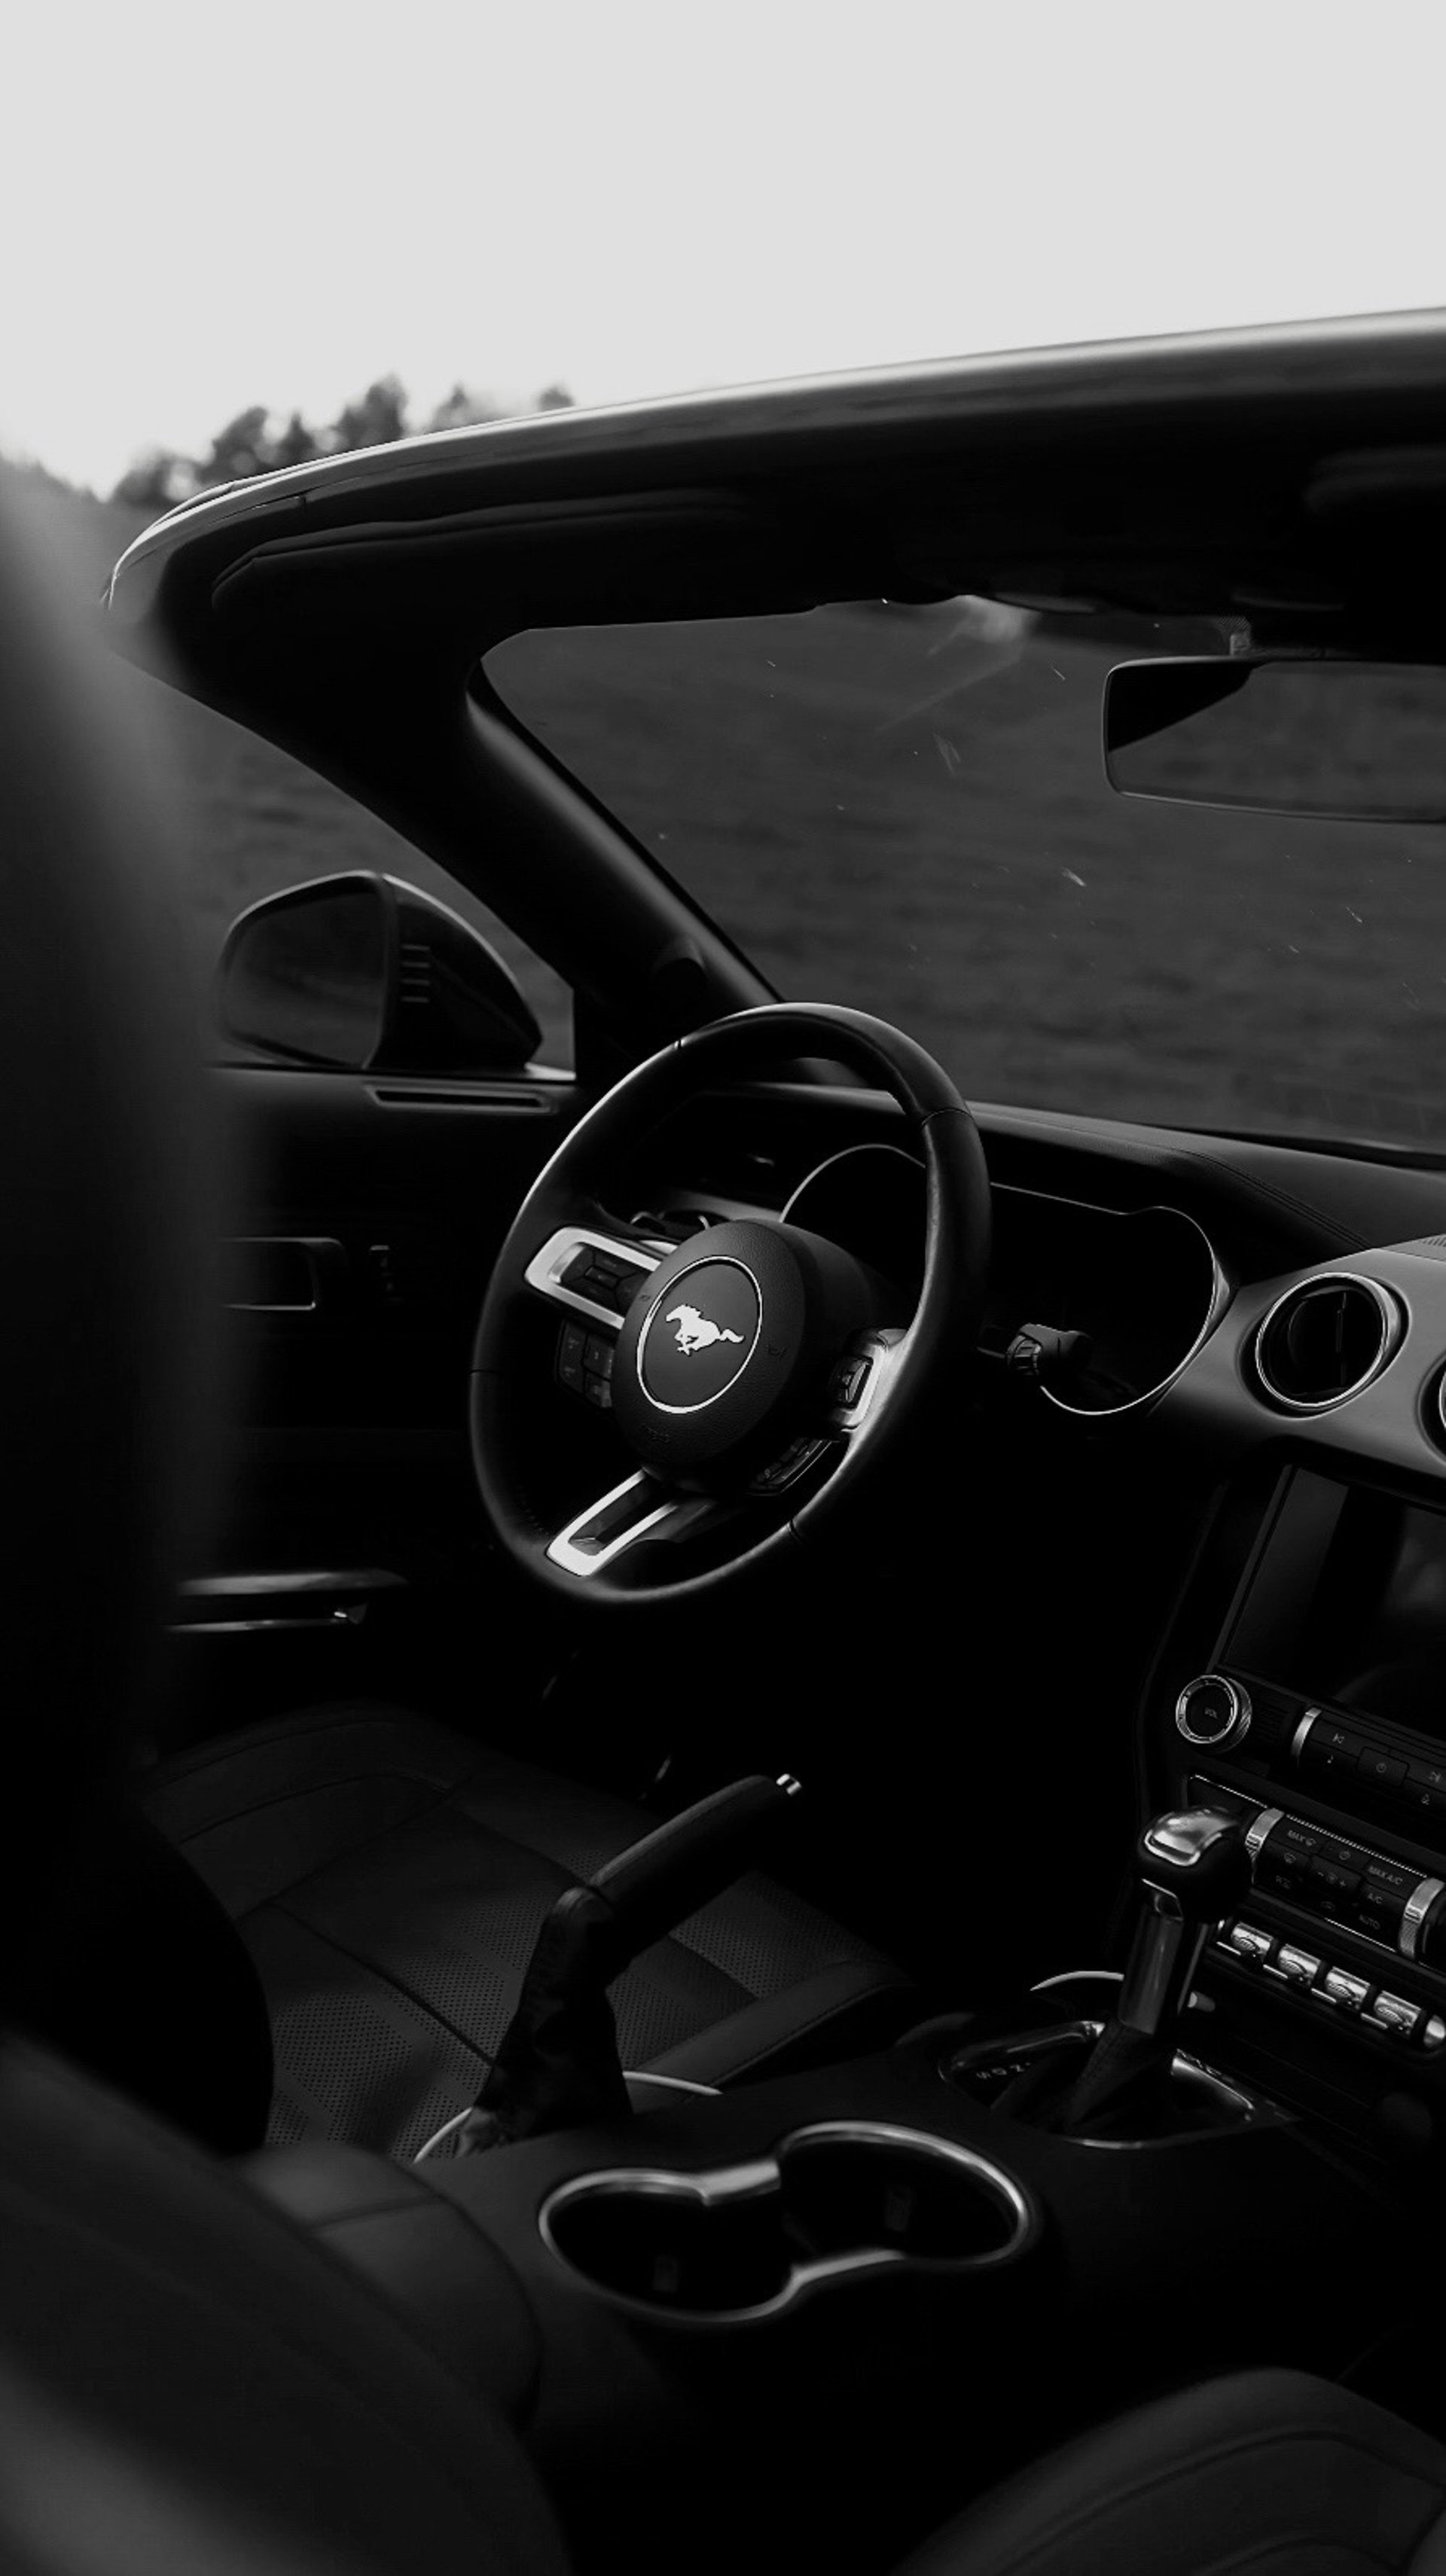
1294,480
1294,477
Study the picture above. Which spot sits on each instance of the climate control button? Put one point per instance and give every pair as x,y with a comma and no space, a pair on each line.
1213,1710
1302,1967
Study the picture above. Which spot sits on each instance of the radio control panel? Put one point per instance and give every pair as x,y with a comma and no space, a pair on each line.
1388,1906
1368,1770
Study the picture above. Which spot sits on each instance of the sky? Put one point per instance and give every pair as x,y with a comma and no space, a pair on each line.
202,210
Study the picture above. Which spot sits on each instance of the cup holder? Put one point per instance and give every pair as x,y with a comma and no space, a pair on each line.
840,2199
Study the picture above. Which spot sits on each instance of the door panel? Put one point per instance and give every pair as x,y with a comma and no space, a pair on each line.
364,1217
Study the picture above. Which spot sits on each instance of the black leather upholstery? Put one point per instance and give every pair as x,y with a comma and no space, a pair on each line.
191,2387
1272,2473
145,1981
389,1878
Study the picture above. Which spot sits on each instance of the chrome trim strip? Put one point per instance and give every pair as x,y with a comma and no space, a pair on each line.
848,1154
1256,1833
544,1270
1079,1976
1418,1906
750,2181
243,1587
671,2083
564,1550
1391,1307
1237,1725
1302,1732
1221,1292
346,1620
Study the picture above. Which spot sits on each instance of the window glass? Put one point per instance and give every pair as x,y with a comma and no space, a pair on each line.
906,809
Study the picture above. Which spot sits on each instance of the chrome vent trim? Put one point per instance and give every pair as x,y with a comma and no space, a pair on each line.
1388,1328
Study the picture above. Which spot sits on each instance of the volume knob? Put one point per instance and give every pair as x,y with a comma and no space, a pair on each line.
1213,1710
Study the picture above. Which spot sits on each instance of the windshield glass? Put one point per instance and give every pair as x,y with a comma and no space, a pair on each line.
906,809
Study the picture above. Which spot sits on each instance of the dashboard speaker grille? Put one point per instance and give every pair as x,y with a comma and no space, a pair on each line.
1324,1340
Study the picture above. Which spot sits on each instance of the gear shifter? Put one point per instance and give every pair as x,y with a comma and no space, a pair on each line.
1195,1868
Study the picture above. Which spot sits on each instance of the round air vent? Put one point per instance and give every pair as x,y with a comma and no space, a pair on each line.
1324,1340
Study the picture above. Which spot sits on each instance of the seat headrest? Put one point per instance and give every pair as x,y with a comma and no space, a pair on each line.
104,1228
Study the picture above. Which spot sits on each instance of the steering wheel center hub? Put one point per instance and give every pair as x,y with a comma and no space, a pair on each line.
713,1353
699,1335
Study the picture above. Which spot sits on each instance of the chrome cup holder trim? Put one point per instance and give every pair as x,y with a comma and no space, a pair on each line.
760,2177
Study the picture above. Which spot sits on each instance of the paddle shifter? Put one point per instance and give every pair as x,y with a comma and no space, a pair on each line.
557,2066
1194,1870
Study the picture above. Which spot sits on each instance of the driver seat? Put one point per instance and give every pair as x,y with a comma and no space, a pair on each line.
389,1878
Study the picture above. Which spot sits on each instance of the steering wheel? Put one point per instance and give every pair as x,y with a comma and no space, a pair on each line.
762,1378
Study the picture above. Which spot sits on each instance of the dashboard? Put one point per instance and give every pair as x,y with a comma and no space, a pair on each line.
1117,1299
1237,1466
1299,1675
1302,1677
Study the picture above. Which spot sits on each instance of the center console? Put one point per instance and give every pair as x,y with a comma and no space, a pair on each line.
832,2307
1303,1687
916,2271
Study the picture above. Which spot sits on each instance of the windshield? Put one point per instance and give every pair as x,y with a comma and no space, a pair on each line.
906,809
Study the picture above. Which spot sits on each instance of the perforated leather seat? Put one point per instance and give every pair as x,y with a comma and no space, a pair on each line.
389,1879
1271,2472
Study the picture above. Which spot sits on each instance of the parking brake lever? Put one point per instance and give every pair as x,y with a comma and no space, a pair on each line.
558,2066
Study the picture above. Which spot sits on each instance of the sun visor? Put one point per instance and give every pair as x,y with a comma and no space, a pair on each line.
454,586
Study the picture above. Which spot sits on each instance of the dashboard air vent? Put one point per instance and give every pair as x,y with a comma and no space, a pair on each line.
1324,1340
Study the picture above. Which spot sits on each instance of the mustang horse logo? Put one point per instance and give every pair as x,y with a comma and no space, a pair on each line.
695,1332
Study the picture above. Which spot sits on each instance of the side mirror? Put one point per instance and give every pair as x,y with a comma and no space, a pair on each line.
365,974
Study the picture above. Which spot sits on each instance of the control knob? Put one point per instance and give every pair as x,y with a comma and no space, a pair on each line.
1213,1710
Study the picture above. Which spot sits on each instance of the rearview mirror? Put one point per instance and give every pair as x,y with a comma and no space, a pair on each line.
1364,741
364,974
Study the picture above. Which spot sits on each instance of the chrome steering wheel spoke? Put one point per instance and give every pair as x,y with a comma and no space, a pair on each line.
590,1272
639,1508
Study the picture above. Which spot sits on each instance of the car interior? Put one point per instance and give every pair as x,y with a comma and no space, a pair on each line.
732,1810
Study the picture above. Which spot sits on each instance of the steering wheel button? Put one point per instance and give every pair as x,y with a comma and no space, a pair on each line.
598,1392
597,1355
569,1355
848,1382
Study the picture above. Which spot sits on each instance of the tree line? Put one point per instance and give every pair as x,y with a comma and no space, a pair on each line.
258,440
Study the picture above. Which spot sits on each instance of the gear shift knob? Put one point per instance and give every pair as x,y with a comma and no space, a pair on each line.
1200,1857
1195,1868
